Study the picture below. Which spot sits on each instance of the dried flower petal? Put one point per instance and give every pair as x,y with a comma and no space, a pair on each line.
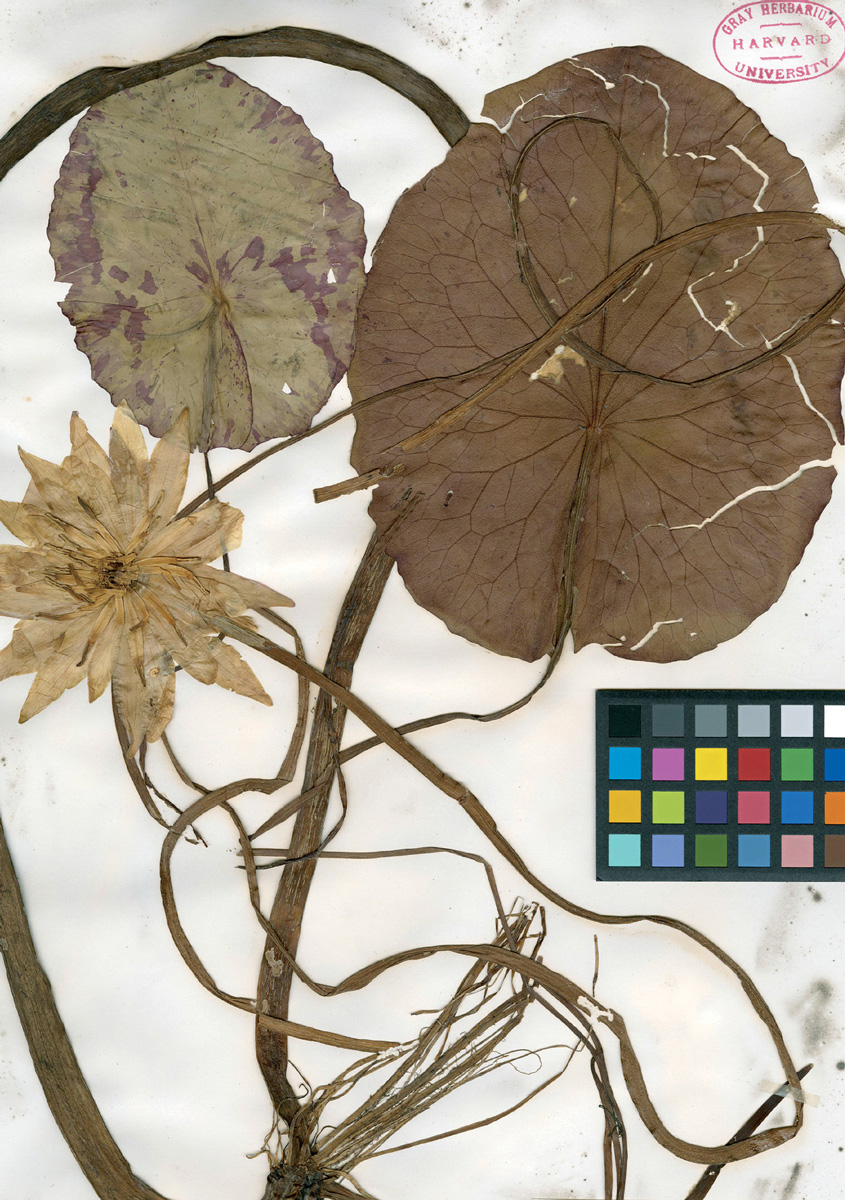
111,587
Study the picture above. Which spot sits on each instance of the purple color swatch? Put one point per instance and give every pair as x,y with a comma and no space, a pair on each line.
667,763
711,808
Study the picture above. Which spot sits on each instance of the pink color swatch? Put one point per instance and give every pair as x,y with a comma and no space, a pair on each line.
796,850
753,808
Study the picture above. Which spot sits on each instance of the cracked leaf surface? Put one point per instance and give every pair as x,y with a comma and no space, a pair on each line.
214,259
601,158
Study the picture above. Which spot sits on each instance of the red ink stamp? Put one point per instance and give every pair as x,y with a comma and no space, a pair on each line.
780,41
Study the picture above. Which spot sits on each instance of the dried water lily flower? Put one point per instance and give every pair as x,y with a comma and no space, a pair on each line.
110,586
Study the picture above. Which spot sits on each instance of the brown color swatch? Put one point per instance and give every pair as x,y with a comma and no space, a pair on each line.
834,850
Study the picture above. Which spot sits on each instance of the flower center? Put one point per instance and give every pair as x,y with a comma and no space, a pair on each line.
91,577
118,574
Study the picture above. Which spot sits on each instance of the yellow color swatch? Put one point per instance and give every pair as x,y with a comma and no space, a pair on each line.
625,807
711,762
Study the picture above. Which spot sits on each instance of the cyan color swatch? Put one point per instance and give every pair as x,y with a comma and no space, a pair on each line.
623,850
624,762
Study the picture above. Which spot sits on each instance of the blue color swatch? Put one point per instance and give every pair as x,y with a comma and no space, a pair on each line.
753,850
796,808
834,764
667,850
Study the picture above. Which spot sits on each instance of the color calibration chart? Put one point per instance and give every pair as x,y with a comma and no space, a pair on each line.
718,785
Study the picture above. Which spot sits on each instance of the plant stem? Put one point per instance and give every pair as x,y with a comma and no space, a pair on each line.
705,1183
479,815
68,1095
356,615
64,1086
287,41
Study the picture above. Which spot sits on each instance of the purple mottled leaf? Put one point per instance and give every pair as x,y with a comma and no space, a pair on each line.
213,257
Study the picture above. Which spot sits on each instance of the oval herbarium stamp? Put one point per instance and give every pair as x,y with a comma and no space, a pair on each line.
780,41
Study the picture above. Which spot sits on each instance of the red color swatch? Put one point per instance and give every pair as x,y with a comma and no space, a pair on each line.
754,763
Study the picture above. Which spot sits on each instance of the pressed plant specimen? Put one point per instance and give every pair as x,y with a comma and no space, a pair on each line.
594,357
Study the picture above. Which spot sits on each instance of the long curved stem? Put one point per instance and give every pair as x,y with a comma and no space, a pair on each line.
287,41
70,1100
68,1095
484,821
531,968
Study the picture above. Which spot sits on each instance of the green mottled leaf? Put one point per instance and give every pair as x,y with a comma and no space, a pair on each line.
214,259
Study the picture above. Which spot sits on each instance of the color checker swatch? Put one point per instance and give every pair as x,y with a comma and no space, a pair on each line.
718,785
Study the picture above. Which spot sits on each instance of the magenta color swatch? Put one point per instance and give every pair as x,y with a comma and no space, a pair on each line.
667,763
753,808
796,850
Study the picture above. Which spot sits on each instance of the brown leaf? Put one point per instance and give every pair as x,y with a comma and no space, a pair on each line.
606,474
214,259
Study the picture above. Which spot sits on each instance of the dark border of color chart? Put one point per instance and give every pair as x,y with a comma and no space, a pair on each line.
732,872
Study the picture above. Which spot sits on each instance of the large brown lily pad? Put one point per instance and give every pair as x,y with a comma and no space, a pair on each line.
215,261
600,480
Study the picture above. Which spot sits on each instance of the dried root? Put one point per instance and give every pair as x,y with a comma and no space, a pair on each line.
309,1159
